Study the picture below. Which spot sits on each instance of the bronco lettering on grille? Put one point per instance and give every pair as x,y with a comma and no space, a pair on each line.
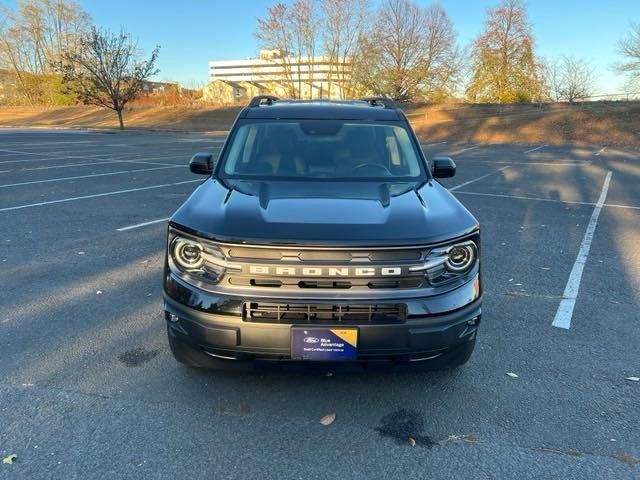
325,271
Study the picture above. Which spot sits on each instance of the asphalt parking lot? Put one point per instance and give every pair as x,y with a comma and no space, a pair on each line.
88,387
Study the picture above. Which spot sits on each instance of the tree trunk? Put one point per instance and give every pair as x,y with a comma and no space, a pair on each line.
120,119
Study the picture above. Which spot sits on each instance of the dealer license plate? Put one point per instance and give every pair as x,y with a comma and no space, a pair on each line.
324,344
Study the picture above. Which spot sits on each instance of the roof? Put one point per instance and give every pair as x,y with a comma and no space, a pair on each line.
322,110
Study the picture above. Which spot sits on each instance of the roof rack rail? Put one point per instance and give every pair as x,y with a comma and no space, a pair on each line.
379,102
257,101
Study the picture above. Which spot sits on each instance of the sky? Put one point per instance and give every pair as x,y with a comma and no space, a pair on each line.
193,32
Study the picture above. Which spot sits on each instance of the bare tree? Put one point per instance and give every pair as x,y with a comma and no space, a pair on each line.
106,70
442,58
553,80
397,48
293,33
414,57
504,66
631,87
576,79
629,48
12,52
32,39
275,33
304,27
343,28
41,29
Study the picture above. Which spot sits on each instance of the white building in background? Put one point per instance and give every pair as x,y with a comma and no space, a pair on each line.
271,73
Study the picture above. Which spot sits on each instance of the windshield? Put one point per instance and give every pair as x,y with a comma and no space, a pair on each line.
322,149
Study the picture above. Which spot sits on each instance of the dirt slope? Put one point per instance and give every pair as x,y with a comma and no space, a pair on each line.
593,123
615,124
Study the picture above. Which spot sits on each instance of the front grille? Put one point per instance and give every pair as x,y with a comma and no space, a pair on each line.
323,314
306,269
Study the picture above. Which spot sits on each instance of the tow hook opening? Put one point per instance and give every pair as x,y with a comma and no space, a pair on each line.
474,321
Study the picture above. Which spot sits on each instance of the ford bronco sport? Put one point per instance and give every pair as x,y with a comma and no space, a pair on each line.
321,237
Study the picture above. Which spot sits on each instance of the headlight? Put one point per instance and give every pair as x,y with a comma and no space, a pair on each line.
194,260
187,254
446,264
461,257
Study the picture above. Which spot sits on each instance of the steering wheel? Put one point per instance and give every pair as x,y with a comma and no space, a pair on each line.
375,166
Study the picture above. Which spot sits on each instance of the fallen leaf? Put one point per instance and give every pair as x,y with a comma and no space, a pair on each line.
412,442
626,458
512,375
328,419
10,459
633,379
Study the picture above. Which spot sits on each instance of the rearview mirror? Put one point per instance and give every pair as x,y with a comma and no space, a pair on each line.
201,164
443,167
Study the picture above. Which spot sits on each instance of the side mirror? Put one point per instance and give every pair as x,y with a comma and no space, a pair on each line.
201,164
443,167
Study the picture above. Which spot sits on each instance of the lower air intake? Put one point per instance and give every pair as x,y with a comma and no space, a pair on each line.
323,314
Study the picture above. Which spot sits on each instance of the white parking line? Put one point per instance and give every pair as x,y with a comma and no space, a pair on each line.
557,164
453,189
138,225
96,195
85,157
534,149
77,177
542,199
457,152
3,150
568,302
434,144
599,152
45,158
68,165
526,164
617,205
522,197
27,144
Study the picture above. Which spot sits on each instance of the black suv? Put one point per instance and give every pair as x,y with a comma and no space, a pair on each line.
320,237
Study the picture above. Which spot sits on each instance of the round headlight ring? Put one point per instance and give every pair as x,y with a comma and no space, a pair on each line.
461,257
187,254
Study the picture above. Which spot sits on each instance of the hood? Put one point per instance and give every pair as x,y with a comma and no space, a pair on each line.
321,213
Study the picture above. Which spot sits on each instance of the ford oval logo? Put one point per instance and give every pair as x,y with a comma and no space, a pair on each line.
311,340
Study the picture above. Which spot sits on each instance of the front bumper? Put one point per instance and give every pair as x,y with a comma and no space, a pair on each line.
213,324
